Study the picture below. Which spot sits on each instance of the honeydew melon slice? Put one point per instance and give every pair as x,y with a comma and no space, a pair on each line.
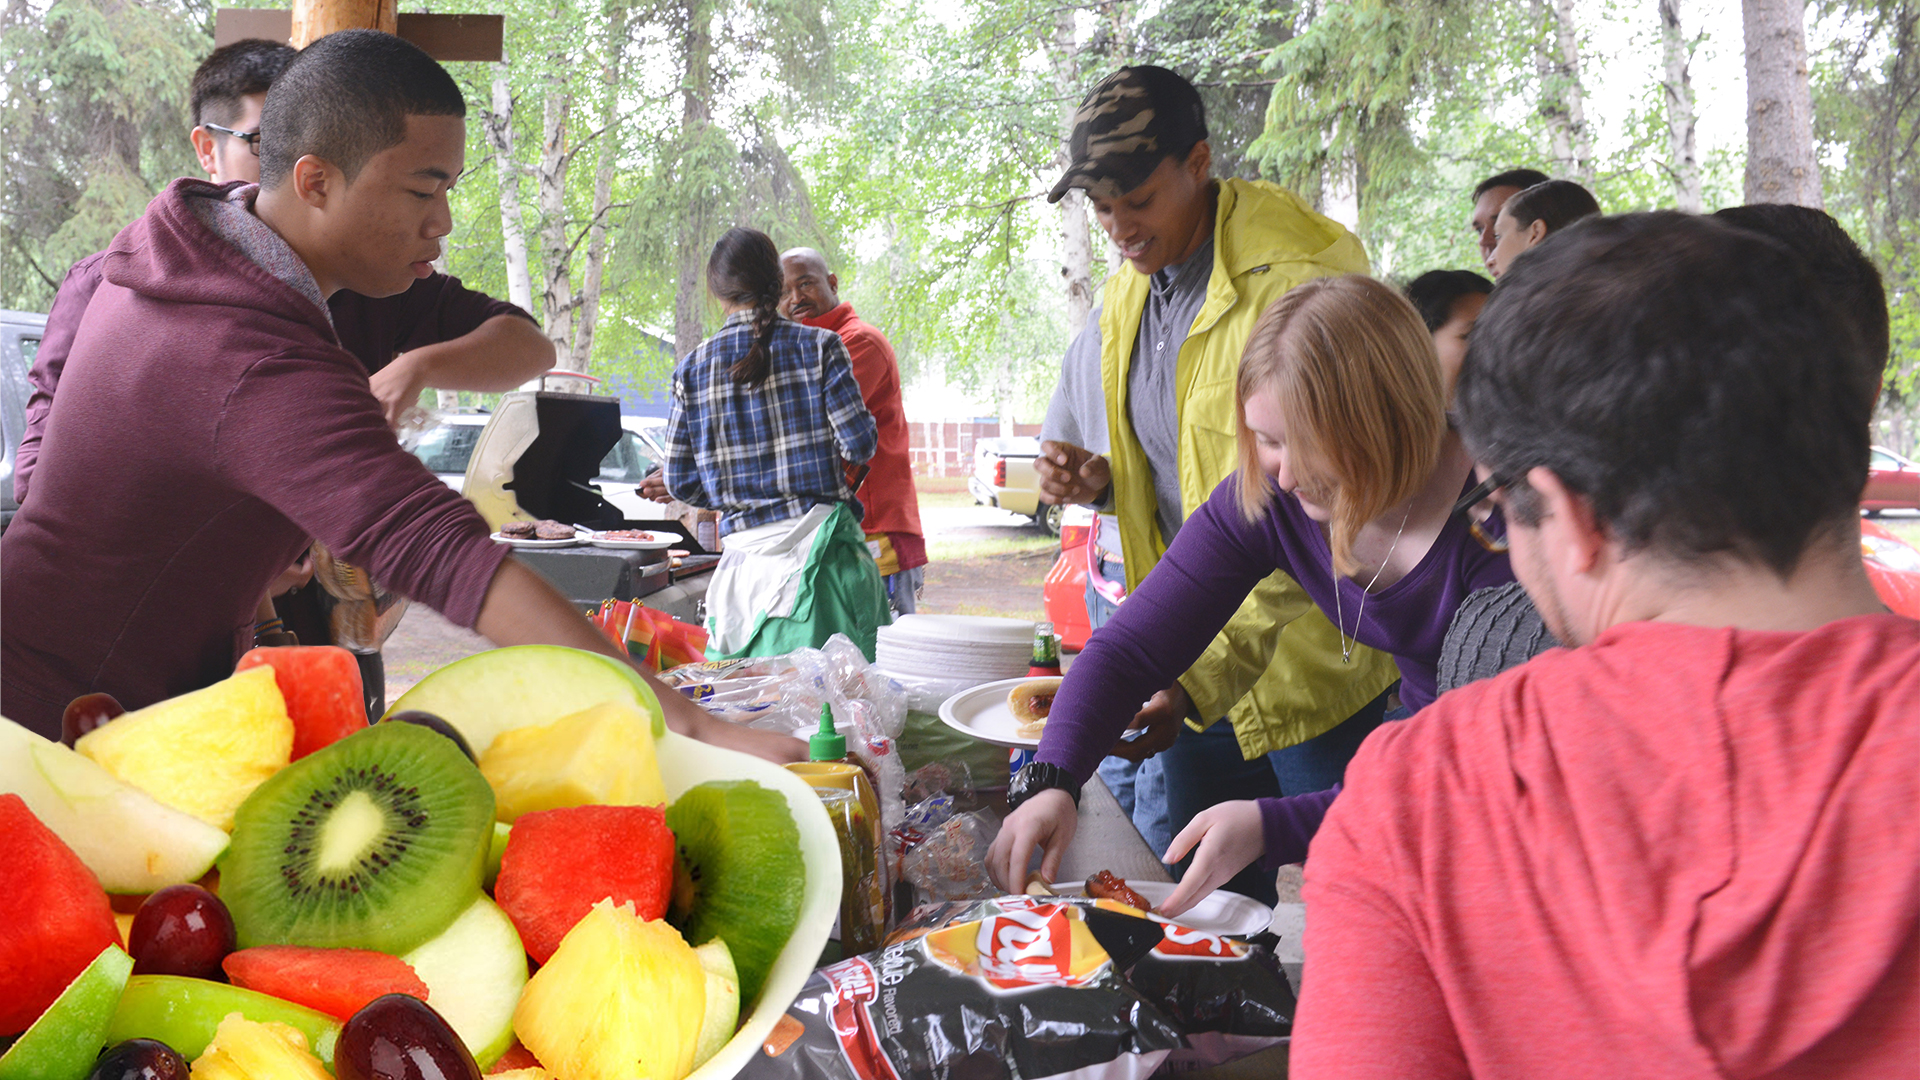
500,689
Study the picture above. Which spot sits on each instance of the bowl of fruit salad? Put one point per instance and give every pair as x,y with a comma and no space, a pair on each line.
252,880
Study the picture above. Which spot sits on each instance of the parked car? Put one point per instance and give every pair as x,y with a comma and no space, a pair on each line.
19,340
1893,565
448,448
1003,476
1065,591
1892,484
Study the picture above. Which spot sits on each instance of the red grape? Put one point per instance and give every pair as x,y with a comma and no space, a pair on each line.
399,1037
433,723
86,712
140,1059
181,930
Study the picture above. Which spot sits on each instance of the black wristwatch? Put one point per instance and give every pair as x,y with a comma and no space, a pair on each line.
1036,778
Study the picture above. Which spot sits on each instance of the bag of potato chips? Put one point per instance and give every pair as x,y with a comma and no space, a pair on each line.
1030,987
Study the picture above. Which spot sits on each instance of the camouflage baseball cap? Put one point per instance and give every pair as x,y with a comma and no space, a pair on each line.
1129,122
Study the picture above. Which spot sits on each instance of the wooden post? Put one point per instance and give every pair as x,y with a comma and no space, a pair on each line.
315,19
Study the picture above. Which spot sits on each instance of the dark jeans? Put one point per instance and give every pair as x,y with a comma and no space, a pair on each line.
1204,768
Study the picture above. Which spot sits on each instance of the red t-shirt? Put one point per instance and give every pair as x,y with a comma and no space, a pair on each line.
1677,852
888,495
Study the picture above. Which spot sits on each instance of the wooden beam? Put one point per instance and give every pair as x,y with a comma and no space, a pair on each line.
446,38
315,19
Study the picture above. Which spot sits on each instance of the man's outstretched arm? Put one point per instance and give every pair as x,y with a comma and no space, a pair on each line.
521,608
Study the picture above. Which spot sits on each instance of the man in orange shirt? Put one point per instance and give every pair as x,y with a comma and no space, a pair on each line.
892,523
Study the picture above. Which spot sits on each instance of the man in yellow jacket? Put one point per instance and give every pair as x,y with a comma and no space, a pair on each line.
1204,258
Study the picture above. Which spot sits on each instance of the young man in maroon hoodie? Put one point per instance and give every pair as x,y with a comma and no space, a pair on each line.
436,333
1683,847
208,421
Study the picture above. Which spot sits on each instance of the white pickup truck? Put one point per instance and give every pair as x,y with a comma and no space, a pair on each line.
1003,476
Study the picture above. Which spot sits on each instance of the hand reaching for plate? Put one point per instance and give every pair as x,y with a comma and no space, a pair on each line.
1225,839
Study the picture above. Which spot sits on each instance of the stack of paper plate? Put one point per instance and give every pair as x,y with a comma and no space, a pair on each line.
963,648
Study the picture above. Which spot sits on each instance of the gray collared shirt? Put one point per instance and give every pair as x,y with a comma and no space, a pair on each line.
1174,296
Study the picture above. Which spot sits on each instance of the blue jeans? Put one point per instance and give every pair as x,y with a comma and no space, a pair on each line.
1204,768
1140,788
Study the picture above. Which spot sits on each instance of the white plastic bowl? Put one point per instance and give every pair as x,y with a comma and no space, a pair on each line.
685,763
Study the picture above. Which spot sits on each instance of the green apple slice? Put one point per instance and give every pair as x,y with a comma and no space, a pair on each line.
131,841
501,689
474,973
184,1013
723,1001
64,1042
496,850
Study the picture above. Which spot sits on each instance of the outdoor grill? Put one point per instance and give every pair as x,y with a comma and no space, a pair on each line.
537,458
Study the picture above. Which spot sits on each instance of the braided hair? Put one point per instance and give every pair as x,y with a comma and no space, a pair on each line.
745,269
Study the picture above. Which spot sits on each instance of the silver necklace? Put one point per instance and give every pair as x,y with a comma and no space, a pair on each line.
1339,618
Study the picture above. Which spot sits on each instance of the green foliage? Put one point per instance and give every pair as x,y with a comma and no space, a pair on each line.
1867,120
95,123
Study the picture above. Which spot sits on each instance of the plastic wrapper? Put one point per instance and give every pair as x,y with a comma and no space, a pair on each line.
1031,987
784,693
924,693
936,778
950,863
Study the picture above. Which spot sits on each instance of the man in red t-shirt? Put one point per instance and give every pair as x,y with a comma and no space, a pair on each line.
1683,847
893,507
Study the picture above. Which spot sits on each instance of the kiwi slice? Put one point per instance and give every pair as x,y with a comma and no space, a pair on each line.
377,841
737,874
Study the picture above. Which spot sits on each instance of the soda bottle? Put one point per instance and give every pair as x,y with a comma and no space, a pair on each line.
1046,652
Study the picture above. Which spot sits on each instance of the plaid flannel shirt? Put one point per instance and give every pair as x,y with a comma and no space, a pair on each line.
772,452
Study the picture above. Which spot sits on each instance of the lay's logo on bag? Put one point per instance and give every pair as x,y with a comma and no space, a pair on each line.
1046,945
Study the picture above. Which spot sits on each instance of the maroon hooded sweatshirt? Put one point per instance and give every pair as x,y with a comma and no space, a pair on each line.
208,423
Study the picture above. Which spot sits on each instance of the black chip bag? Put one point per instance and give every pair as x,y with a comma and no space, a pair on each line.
1027,987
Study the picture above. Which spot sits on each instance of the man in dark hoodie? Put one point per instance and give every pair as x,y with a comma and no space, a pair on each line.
208,421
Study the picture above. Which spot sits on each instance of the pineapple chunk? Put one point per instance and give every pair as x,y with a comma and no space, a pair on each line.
245,1050
531,1073
599,756
621,999
203,752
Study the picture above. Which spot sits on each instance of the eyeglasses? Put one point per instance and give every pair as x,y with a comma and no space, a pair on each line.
251,138
1476,522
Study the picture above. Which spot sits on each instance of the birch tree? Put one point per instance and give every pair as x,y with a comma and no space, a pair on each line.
1076,241
498,123
1562,95
1683,160
1781,167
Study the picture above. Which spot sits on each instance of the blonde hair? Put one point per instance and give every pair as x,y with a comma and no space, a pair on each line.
1362,396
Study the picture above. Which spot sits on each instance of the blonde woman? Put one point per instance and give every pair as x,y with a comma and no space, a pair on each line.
1349,479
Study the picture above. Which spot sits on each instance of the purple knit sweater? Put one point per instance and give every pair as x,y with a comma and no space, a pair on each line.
1215,561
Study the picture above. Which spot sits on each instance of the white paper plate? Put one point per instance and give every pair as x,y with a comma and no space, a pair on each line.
654,542
982,713
572,541
914,628
1218,912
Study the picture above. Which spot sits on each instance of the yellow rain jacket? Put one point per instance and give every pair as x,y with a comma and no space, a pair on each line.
1275,671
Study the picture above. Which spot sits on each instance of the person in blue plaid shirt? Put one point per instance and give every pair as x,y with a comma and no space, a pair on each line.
766,419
